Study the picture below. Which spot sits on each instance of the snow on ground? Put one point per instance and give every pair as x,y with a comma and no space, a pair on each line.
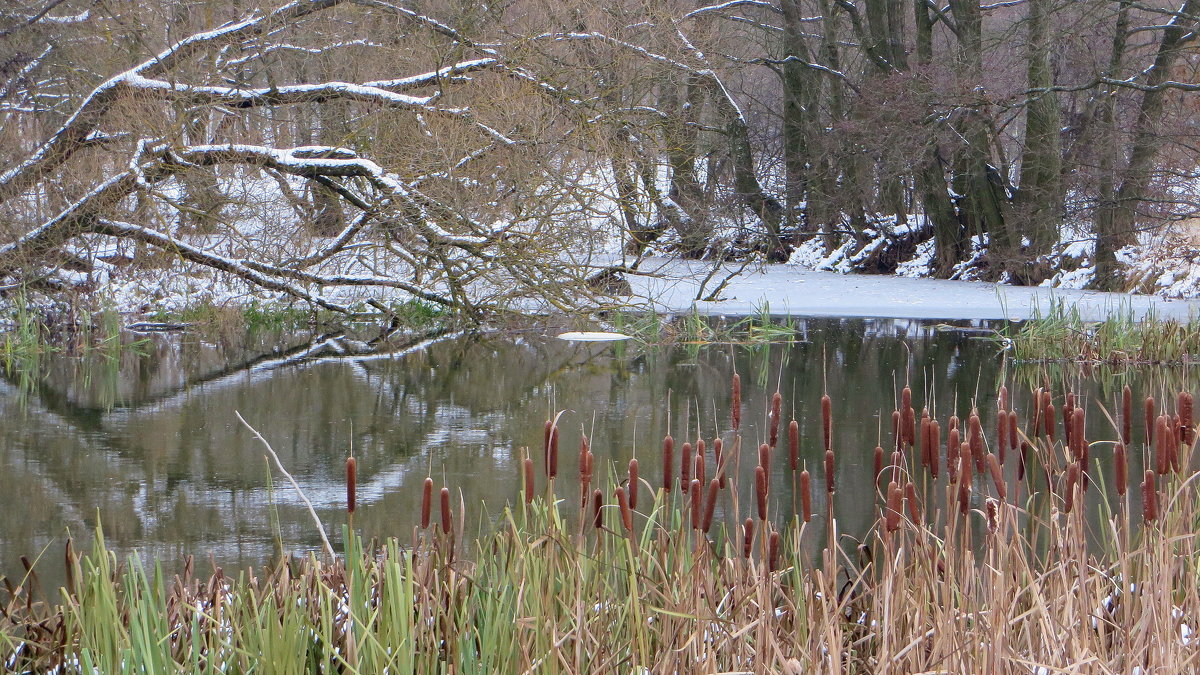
796,291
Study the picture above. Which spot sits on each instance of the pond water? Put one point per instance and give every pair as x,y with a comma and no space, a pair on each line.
149,445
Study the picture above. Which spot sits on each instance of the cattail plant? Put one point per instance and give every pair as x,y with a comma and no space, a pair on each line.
827,422
696,505
446,515
1148,408
975,437
1186,420
1121,468
829,482
894,507
720,459
878,465
1049,418
1014,438
710,504
626,510
747,538
1002,399
1068,412
926,451
953,446
907,420
426,502
935,442
687,461
1039,409
997,476
633,483
546,444
528,466
1002,434
805,495
552,455
737,402
764,460
351,485
668,454
964,479
1149,498
1162,460
760,491
914,507
1126,414
1072,481
597,508
699,470
773,552
794,444
776,405
897,433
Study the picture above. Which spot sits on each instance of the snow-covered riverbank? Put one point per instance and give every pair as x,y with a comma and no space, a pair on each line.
797,291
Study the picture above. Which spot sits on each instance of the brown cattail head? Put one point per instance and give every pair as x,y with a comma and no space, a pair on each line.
1162,460
633,483
926,451
914,507
668,462
1072,481
528,466
426,502
626,511
1039,409
954,423
1176,433
760,491
794,444
351,484
696,505
1014,438
1077,433
953,450
687,461
552,463
805,495
893,512
1025,448
1068,418
747,538
1126,414
597,508
975,430
1002,434
997,476
773,552
964,480
699,469
1148,409
878,462
829,482
585,449
710,504
1186,419
827,421
764,456
546,445
1049,418
445,504
737,402
897,433
897,460
1149,498
935,444
992,509
776,404
1121,468
1002,400
909,425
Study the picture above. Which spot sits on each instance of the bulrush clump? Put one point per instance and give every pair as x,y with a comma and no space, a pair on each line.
776,411
1069,491
687,461
528,466
696,504
907,418
626,510
1186,420
1148,409
914,506
975,437
737,402
668,453
997,476
827,422
710,504
794,444
773,552
1149,498
878,465
805,496
894,507
597,508
633,483
426,502
764,460
351,485
760,491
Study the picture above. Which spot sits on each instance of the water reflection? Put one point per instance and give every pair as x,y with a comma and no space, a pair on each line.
154,451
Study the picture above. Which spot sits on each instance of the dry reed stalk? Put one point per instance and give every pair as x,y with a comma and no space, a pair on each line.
527,464
773,552
687,460
805,495
829,478
878,465
1186,418
1149,498
351,485
1069,491
975,438
426,502
914,506
935,444
776,406
1148,408
894,507
552,463
794,444
633,483
1126,414
1121,469
626,511
597,508
737,402
445,504
720,460
668,462
760,491
747,538
997,476
827,422
710,504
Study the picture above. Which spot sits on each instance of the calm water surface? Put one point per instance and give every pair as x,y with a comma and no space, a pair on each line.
150,446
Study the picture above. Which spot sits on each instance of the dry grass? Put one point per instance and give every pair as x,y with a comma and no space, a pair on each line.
1055,577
